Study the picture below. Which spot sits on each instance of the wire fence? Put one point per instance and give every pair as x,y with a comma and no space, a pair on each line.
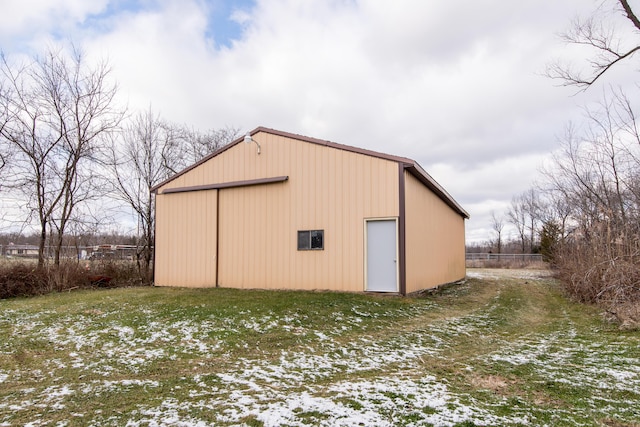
503,257
95,252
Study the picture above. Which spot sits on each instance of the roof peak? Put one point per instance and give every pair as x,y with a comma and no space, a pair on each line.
332,144
407,164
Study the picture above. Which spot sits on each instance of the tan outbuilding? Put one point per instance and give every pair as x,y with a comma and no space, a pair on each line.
285,211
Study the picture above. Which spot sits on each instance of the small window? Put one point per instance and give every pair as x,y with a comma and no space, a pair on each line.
310,240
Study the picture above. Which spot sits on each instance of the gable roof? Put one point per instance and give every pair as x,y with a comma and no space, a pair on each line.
410,165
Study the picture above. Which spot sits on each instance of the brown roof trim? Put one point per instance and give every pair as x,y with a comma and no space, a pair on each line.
232,184
334,145
155,188
416,170
286,135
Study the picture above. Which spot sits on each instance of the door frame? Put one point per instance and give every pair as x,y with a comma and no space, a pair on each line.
366,254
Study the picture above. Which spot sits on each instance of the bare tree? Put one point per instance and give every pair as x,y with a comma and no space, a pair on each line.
518,218
556,209
146,152
497,224
596,175
525,214
58,109
533,211
596,170
197,145
5,149
609,42
143,155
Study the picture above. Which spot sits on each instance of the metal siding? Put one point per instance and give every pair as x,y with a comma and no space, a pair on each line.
328,189
186,239
434,239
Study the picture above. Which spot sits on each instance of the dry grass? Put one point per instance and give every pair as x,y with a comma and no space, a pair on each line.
495,383
627,315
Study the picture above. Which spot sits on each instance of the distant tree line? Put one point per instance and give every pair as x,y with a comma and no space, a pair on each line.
76,158
527,215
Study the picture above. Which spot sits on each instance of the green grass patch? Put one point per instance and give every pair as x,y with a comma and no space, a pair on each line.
488,351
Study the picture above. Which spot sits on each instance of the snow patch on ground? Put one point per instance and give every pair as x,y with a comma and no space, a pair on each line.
287,391
330,383
515,273
565,359
379,401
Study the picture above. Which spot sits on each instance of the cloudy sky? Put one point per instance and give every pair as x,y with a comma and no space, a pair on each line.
455,85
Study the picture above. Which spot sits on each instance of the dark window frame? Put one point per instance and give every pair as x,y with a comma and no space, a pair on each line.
308,240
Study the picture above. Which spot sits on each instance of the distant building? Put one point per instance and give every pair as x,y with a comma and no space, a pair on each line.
111,252
25,251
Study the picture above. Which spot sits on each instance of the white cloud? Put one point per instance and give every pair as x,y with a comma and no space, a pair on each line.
34,20
458,88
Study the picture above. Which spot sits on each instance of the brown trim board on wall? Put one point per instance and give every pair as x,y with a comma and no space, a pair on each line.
402,249
222,185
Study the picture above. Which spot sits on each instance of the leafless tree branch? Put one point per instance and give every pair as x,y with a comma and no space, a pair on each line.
605,42
57,110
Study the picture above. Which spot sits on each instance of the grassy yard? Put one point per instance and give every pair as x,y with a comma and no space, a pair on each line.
491,351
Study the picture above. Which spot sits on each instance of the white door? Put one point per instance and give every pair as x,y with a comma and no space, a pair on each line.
382,262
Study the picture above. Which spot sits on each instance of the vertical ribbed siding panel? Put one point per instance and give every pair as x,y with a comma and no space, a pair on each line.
186,239
434,239
299,194
332,223
261,226
349,250
270,212
251,233
162,249
348,237
283,244
356,253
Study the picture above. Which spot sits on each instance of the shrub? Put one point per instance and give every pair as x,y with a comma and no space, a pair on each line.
18,279
605,274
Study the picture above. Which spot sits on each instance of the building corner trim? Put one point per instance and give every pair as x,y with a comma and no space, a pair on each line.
402,247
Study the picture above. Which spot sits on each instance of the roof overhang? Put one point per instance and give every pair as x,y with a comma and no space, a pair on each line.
421,175
222,185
